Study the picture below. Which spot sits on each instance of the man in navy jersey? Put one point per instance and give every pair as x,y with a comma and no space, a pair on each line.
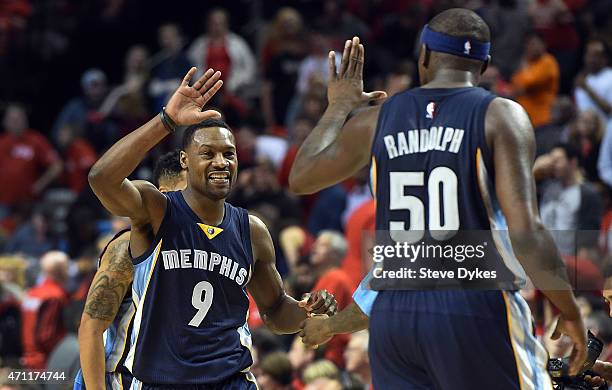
191,271
109,309
445,158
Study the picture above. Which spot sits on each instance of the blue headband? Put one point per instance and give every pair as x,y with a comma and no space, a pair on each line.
462,47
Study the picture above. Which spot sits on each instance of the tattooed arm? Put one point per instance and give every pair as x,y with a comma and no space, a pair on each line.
105,295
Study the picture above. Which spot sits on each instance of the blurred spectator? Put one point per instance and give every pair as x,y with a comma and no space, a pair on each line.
571,207
272,148
29,163
594,82
302,126
493,81
400,78
83,111
78,156
42,310
562,117
314,69
586,136
321,374
12,283
169,65
406,24
33,238
276,373
222,50
537,82
127,103
554,22
339,24
509,24
258,189
281,59
326,212
358,194
300,357
359,237
65,356
356,357
327,253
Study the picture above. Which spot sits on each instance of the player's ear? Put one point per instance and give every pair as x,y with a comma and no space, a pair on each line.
485,65
424,55
183,159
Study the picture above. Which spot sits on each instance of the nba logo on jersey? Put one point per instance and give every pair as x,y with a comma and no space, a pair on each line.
431,110
467,47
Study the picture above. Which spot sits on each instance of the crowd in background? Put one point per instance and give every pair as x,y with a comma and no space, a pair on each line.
75,76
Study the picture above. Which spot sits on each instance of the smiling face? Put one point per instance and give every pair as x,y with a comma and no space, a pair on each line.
211,162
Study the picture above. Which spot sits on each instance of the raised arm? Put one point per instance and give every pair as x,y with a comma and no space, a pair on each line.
337,149
511,137
280,312
106,293
108,177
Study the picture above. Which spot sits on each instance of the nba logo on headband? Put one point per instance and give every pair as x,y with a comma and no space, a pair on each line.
444,43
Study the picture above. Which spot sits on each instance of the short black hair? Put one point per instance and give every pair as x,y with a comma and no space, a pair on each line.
571,151
190,131
168,165
461,23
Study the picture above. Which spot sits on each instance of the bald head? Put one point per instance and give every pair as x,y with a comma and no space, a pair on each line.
54,265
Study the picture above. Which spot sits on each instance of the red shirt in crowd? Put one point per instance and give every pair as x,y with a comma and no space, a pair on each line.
79,157
337,282
23,159
42,325
218,58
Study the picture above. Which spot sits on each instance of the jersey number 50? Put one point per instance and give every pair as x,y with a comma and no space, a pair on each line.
441,186
201,303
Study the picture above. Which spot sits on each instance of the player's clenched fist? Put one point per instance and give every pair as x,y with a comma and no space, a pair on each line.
185,105
315,331
319,302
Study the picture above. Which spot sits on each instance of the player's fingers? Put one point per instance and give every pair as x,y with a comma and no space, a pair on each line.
301,334
317,305
302,324
331,61
209,81
359,64
577,358
212,91
304,301
208,114
354,58
332,309
200,82
374,96
346,54
188,76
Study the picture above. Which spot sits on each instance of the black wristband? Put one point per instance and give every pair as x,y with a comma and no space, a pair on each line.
169,124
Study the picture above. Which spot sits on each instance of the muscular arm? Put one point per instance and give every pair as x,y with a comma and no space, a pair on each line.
279,311
336,150
106,293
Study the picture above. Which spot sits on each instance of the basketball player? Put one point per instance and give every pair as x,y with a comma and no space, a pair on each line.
108,313
190,279
482,165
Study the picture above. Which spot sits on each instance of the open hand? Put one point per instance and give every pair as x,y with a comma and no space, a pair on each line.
185,105
345,86
319,302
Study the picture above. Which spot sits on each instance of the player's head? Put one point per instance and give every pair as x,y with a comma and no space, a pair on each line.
209,156
168,175
456,39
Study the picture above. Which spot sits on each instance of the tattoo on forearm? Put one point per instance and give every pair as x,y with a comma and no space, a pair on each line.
110,285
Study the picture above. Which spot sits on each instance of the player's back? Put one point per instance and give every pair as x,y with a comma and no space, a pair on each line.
433,175
191,302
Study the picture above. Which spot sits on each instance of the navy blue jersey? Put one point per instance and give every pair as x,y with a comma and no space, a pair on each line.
433,176
190,325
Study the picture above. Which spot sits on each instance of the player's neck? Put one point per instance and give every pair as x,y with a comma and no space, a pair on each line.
210,211
451,78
